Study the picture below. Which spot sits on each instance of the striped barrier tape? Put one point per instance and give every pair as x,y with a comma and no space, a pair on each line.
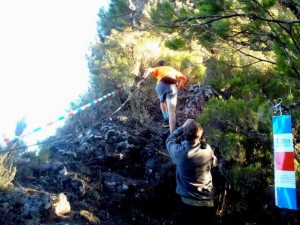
69,114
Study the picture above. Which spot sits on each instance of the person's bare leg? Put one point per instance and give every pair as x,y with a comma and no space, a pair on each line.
163,107
171,103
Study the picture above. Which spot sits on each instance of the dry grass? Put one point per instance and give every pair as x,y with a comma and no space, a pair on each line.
7,170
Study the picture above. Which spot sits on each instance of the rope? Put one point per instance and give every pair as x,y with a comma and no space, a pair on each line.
276,106
72,113
129,97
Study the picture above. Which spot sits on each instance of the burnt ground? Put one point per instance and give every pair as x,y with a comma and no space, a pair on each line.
118,172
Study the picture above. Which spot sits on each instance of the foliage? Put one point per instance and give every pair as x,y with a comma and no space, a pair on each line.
122,14
233,131
44,155
26,165
237,112
236,116
267,28
117,17
264,115
246,50
7,170
168,15
28,162
175,44
245,176
123,62
18,144
234,148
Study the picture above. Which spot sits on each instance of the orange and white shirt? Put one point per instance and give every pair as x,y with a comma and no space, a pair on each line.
161,72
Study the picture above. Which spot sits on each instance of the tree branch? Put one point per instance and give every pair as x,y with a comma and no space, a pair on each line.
251,16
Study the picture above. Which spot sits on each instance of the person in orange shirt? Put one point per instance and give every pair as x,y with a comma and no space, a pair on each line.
169,83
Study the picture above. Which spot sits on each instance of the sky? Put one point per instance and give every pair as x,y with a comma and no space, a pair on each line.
43,44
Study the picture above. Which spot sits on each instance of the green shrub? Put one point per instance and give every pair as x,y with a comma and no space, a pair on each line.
245,177
44,155
26,164
235,112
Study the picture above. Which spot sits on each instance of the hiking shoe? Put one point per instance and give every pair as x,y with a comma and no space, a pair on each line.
165,123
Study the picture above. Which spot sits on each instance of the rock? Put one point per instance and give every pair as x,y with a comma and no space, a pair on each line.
61,205
89,216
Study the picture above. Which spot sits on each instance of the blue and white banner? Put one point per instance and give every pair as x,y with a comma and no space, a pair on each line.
284,168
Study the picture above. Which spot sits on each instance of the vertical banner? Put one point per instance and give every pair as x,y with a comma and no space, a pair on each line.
284,168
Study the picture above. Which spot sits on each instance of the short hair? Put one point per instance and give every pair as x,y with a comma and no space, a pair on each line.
161,63
192,131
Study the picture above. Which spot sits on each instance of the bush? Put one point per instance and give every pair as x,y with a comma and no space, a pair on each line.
7,170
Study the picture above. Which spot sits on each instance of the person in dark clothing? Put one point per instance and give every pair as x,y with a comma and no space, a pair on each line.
193,159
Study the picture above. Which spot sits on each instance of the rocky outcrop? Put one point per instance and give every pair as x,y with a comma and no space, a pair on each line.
117,172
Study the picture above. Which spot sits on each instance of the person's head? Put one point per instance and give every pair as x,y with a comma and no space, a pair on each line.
161,63
192,131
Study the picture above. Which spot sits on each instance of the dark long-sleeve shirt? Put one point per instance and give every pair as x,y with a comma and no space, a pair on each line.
193,167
